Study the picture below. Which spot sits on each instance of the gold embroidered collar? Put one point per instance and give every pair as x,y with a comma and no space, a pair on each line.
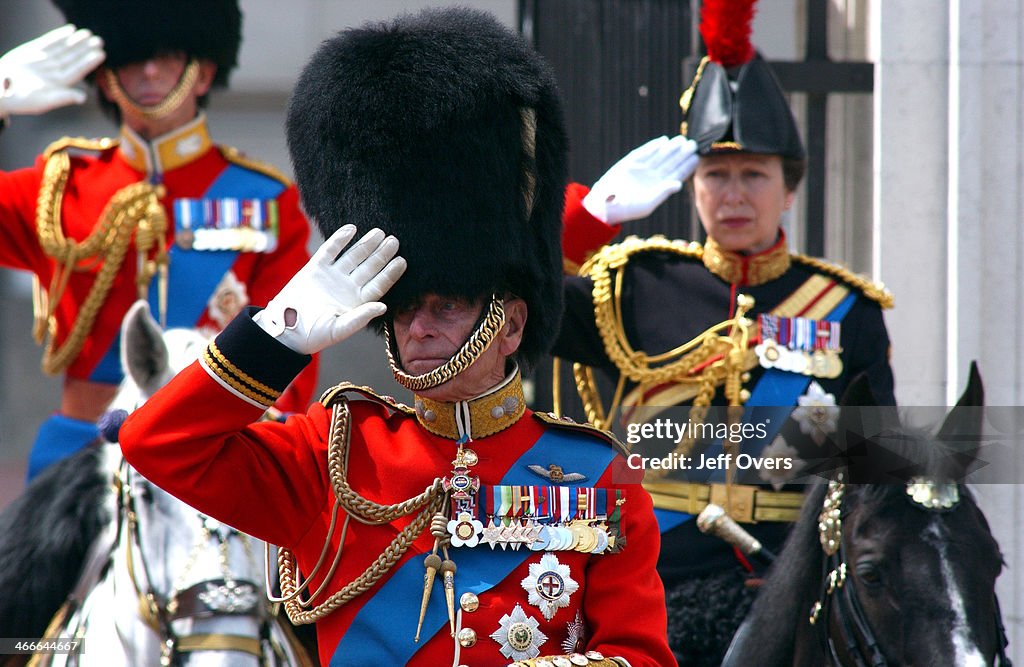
747,270
168,151
478,417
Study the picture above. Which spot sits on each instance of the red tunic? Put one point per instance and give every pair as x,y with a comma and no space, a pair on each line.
196,439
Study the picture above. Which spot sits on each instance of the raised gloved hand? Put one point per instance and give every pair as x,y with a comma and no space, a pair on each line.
40,75
333,296
642,180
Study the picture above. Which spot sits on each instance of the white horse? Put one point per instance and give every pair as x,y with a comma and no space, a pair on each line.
163,584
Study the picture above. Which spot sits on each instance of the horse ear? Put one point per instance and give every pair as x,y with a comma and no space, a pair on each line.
964,421
143,351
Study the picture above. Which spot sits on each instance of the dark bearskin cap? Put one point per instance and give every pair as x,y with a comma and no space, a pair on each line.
134,30
445,129
735,102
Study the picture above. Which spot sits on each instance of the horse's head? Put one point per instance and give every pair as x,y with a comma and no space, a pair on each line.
892,562
181,584
916,552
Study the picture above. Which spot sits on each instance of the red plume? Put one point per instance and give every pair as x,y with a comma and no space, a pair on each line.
725,26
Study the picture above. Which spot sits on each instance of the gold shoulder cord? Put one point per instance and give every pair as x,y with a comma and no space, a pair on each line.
714,357
135,208
429,502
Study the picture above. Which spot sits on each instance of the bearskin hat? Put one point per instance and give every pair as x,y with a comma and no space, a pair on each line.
735,102
445,129
134,30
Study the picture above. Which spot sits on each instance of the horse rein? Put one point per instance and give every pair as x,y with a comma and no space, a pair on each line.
190,602
857,637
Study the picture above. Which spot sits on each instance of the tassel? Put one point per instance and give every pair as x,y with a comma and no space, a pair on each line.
448,574
432,563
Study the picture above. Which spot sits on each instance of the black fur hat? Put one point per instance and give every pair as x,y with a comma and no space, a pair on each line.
445,129
134,30
735,102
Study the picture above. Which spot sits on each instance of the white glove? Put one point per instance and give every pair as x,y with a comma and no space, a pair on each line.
39,75
642,180
332,297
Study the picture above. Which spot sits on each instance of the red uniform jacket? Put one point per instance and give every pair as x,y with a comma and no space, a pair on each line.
196,439
206,287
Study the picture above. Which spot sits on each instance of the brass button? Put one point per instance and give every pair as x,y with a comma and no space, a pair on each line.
469,602
467,637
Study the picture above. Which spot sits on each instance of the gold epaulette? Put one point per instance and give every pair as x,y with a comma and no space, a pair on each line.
235,156
551,419
875,291
81,144
334,393
614,256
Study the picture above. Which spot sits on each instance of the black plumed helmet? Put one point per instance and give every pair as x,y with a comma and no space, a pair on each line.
735,102
134,30
445,129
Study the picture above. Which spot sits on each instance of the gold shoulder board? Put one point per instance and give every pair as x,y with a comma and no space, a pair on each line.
235,156
79,144
875,291
339,392
553,420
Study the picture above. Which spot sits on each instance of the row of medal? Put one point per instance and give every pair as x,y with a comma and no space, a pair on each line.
244,225
800,345
540,518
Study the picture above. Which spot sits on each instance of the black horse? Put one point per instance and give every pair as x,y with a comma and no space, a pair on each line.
892,562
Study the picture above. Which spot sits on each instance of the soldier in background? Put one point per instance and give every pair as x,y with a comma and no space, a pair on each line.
161,212
739,331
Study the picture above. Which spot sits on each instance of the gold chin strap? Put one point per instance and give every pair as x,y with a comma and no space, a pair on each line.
162,108
475,345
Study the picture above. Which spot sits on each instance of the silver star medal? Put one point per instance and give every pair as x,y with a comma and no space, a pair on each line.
518,635
549,585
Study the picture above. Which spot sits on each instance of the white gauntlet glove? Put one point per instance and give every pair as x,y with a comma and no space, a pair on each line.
332,297
642,180
39,75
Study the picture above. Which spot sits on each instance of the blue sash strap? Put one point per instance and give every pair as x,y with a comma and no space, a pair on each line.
771,403
58,438
382,631
195,274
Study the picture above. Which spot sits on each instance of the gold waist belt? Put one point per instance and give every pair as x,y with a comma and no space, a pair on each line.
744,503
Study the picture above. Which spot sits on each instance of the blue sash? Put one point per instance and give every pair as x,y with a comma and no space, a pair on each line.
382,631
770,404
58,438
193,276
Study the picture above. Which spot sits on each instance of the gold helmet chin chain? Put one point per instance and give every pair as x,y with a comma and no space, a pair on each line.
471,350
164,107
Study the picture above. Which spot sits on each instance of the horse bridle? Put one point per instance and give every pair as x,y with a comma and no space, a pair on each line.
205,598
839,591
